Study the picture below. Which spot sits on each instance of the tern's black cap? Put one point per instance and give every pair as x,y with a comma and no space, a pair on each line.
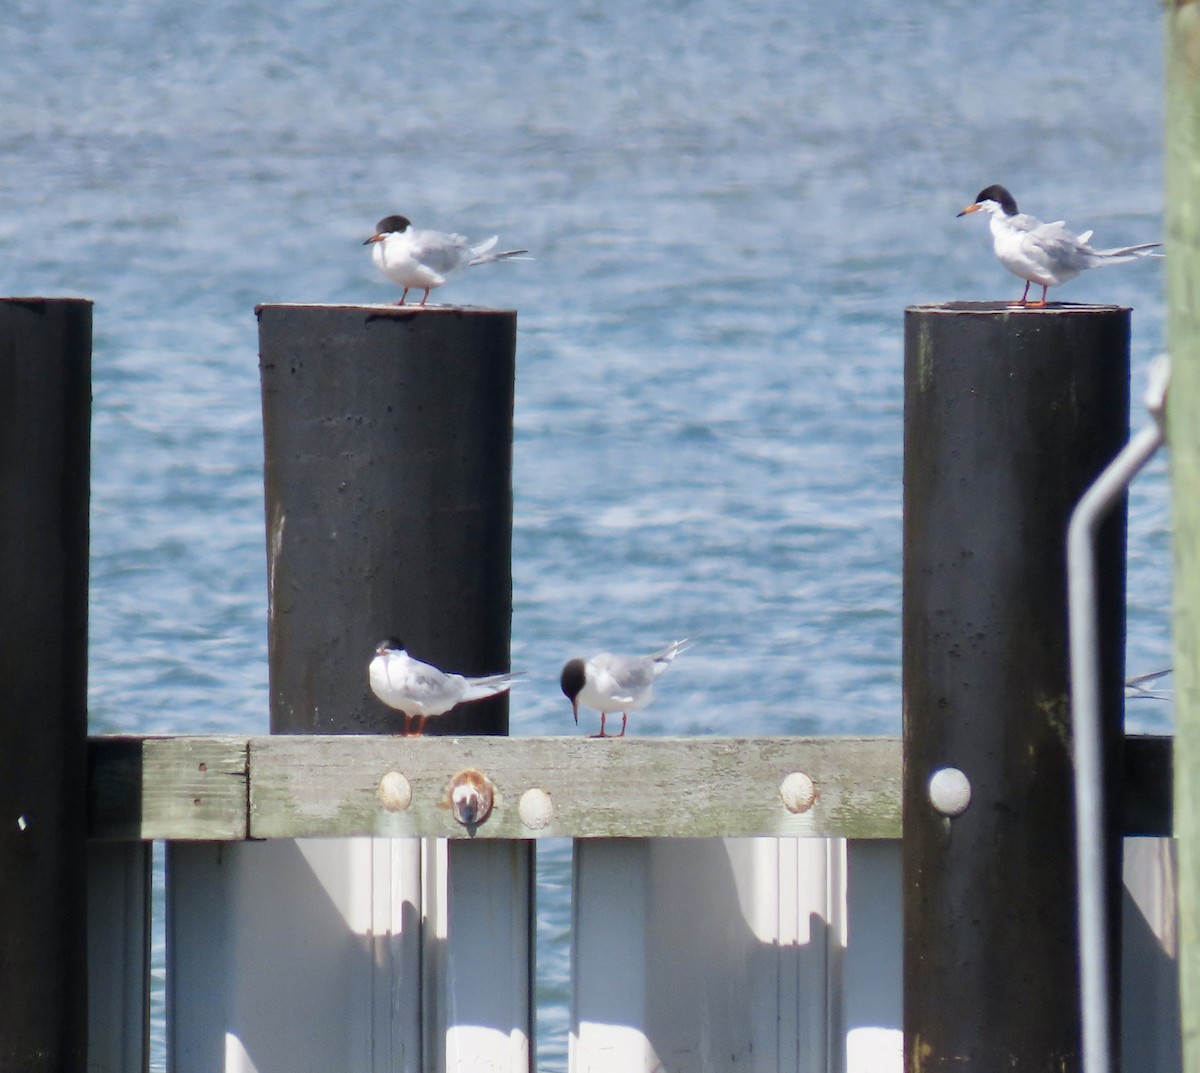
572,678
393,224
1000,196
389,644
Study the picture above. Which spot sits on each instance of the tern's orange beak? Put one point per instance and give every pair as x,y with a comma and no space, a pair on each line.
373,238
969,209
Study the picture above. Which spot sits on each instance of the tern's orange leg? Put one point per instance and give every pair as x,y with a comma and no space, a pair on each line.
601,734
425,295
1042,303
413,725
624,720
1024,295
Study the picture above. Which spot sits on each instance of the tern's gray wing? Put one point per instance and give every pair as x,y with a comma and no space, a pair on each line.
441,251
623,677
1054,246
431,688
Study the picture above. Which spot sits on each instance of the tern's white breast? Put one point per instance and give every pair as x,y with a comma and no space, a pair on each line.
396,259
1038,255
413,687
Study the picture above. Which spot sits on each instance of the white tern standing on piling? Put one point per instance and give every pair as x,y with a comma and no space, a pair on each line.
426,259
1047,254
611,683
419,690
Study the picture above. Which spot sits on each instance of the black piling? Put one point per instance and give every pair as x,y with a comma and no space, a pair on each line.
1009,416
388,436
45,419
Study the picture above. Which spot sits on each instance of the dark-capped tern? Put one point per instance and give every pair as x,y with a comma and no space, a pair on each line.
419,690
611,683
1047,254
426,259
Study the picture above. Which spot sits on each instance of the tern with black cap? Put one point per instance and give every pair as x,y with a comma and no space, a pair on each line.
415,258
611,683
1046,254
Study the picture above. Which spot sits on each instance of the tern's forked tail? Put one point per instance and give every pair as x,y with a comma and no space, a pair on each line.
670,652
482,254
487,258
489,685
1099,258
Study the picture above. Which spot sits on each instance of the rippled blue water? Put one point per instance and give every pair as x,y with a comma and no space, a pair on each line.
730,205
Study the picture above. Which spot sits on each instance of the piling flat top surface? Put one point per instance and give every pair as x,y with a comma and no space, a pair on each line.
379,307
34,300
1013,307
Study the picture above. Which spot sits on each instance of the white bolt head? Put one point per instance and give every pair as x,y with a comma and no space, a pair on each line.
395,792
949,791
536,808
798,792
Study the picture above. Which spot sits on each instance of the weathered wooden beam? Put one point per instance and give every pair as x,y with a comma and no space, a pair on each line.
595,789
183,788
190,788
329,785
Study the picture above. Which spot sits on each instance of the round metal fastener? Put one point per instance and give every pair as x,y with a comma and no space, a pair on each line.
536,809
798,792
471,796
949,791
395,792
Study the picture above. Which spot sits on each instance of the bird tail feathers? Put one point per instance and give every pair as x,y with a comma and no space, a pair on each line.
515,255
489,685
671,651
1124,253
482,254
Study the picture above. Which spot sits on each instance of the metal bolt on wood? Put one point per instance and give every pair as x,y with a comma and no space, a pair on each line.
949,791
536,809
798,792
395,792
471,797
